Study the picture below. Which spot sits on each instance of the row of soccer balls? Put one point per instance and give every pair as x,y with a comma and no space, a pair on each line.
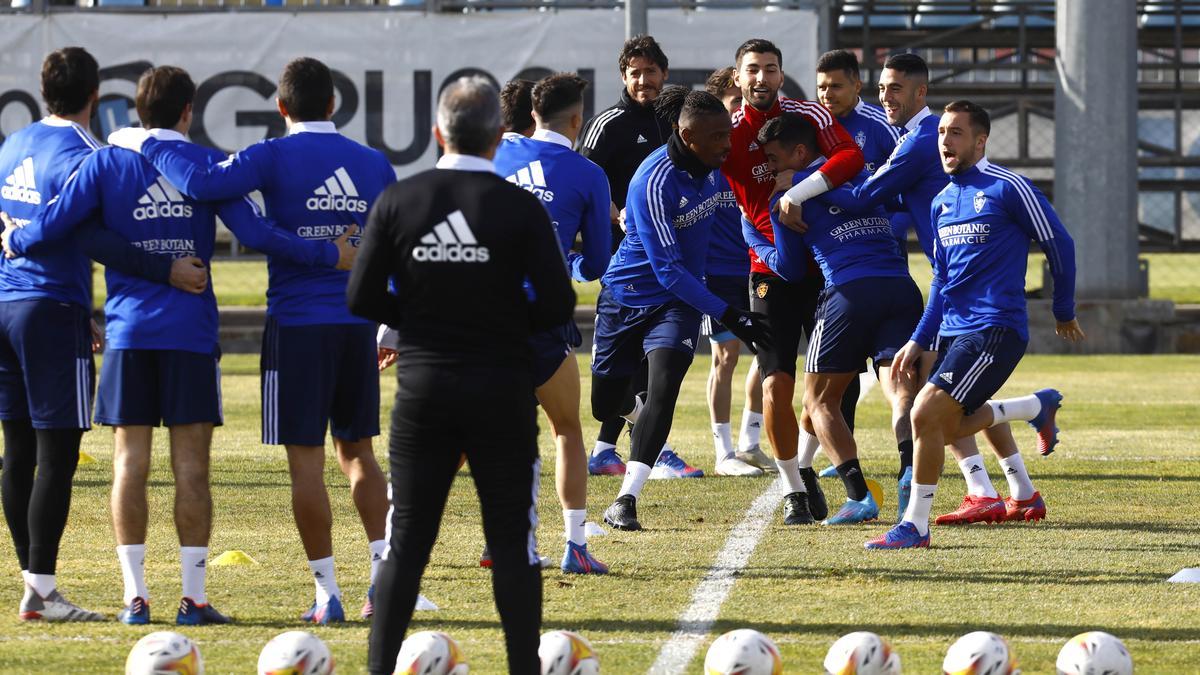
739,652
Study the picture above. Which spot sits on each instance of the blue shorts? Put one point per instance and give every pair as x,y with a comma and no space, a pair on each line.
47,374
866,318
318,377
972,367
624,335
731,290
152,387
550,348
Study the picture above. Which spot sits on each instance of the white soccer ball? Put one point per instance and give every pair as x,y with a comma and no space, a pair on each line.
565,653
431,652
164,653
295,652
980,653
743,652
1094,653
861,653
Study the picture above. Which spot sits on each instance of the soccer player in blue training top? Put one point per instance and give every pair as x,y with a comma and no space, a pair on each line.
319,361
574,191
839,89
46,342
727,273
654,296
868,308
162,359
984,221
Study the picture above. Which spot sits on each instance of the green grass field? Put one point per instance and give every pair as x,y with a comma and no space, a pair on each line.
1173,276
1121,493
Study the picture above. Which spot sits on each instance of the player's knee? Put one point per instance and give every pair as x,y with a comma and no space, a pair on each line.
725,358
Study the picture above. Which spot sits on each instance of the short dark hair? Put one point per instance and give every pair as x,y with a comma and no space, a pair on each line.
669,103
719,81
69,78
643,46
557,93
516,105
790,130
700,104
757,46
162,94
305,88
839,59
980,119
909,64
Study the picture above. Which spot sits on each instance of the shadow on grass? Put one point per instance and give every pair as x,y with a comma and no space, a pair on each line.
1123,477
985,577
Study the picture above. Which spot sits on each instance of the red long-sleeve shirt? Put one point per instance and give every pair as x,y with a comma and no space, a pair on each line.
746,168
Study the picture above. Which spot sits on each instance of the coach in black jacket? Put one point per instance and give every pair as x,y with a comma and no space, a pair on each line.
444,260
619,138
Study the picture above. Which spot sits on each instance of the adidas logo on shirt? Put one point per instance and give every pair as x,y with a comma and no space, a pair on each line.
19,186
451,241
162,200
533,179
642,139
682,202
337,194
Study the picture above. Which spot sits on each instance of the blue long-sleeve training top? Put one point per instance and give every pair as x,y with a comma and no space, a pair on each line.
848,242
913,173
668,218
315,184
868,125
572,188
727,252
125,191
985,219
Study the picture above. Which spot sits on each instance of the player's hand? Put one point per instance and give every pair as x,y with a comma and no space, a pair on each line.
621,221
9,228
614,214
97,337
791,215
906,361
130,138
783,180
1070,331
749,327
347,252
189,275
387,357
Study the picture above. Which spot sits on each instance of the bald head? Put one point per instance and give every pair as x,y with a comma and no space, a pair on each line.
468,117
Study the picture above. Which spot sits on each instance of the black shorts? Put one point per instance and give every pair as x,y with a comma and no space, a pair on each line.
790,309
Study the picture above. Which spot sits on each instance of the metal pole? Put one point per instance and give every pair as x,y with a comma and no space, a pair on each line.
1095,143
637,20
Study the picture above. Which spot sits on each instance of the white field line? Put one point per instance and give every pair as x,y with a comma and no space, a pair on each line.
697,619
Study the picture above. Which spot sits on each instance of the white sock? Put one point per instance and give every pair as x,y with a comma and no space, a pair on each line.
601,446
636,475
806,449
723,440
25,576
193,562
133,570
632,416
573,525
751,429
324,579
377,548
1019,485
44,584
919,506
1021,409
790,470
979,484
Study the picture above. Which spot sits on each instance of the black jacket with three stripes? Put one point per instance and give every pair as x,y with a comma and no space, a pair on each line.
619,139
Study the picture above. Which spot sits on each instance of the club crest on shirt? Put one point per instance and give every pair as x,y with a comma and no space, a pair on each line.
761,289
860,138
980,200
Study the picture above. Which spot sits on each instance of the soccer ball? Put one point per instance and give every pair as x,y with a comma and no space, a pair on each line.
1094,653
861,653
980,653
743,652
164,653
295,652
565,653
431,652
